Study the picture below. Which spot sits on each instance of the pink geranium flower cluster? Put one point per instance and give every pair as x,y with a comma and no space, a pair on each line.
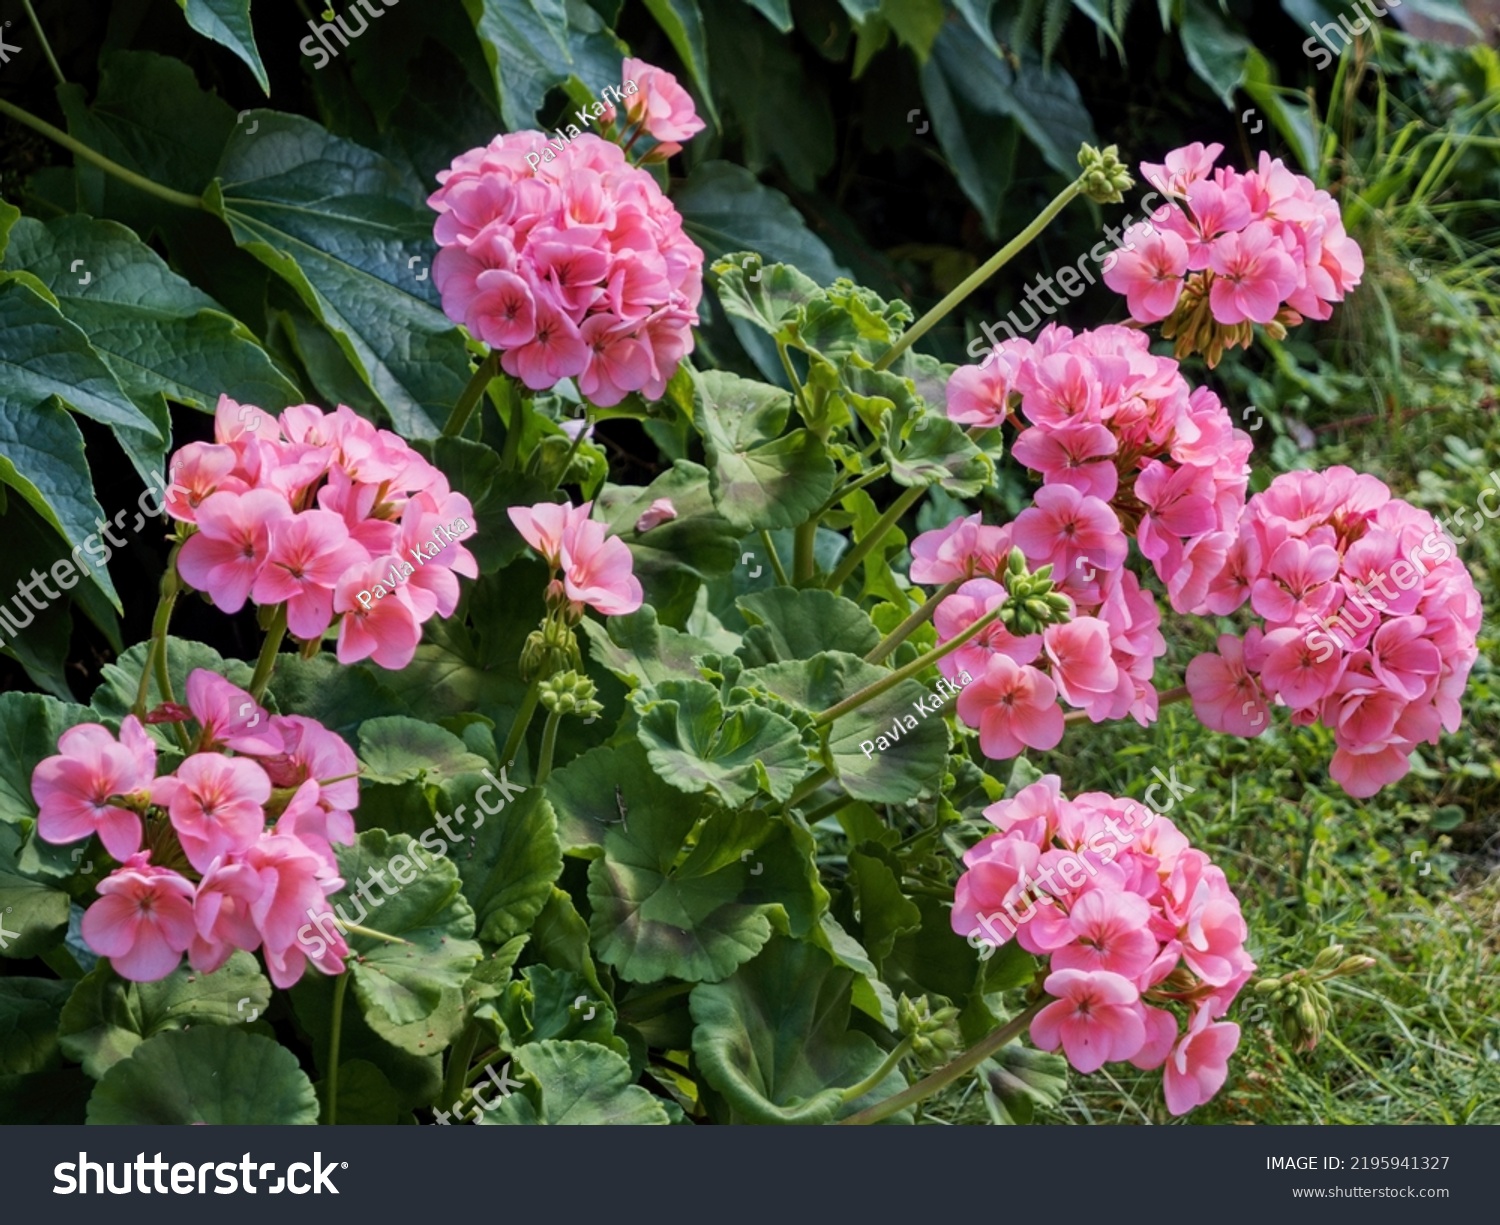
322,512
1260,246
577,267
1369,624
223,879
597,569
1145,940
1124,446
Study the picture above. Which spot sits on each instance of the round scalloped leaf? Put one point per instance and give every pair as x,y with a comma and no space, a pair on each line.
774,1039
398,984
575,1084
107,1016
515,856
209,1075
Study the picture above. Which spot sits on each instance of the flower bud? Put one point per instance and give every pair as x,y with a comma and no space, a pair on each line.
1105,178
1329,957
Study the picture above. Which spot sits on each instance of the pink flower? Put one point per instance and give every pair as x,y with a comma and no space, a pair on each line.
660,511
216,804
378,623
542,526
1014,707
143,920
1063,525
224,557
660,104
228,716
307,558
1083,667
1199,1064
294,883
1151,276
1299,674
619,361
557,351
308,750
1225,695
200,470
1183,167
945,553
1110,932
1254,275
1076,455
598,569
964,607
73,789
1095,1018
221,915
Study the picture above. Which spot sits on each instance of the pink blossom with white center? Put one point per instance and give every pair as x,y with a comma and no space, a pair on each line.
307,558
225,556
73,789
216,804
143,920
1092,1017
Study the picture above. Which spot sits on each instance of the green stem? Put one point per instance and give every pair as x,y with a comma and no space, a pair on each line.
340,986
869,478
356,930
804,564
46,46
516,404
459,1059
139,181
903,631
810,784
854,1092
777,568
828,809
549,745
874,536
873,690
472,392
572,450
983,273
266,664
946,1074
523,721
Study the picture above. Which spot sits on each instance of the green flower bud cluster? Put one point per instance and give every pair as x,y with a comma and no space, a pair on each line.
1300,999
1030,603
933,1031
569,693
1105,178
549,650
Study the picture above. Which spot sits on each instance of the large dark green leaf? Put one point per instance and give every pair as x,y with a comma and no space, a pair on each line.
774,1039
665,907
208,1075
576,1083
109,1016
227,22
893,748
339,224
682,23
508,871
640,651
401,749
154,330
29,1009
1216,52
32,912
735,753
760,477
787,623
399,984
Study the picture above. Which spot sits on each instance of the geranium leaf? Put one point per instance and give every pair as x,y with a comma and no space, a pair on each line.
210,1074
774,1039
575,1083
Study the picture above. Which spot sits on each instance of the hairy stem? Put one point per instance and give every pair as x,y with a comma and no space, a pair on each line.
522,722
874,536
991,266
549,745
46,46
459,1059
804,564
948,1073
776,567
873,690
903,631
335,1036
470,396
77,147
266,664
854,1092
